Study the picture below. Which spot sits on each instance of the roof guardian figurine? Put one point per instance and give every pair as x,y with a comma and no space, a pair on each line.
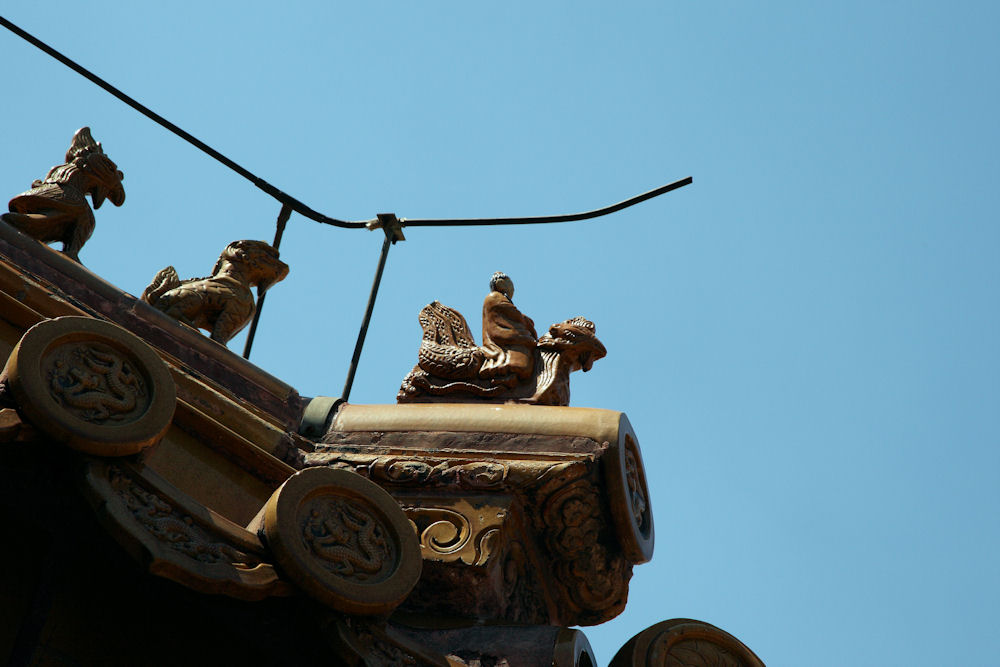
512,365
56,209
221,303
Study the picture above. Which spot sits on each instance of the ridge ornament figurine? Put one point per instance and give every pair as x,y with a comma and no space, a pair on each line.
222,303
513,364
56,208
509,336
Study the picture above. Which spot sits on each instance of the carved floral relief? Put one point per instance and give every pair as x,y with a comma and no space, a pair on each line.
592,576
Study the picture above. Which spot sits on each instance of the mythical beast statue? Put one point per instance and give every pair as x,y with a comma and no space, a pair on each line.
511,366
222,303
56,209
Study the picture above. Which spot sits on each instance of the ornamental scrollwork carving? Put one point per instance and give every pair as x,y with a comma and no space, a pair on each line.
463,530
96,383
350,541
444,532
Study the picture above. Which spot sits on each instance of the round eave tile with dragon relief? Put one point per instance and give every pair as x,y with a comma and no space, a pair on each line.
343,540
629,496
91,385
685,642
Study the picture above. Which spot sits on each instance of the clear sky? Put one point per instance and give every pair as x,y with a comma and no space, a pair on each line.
805,339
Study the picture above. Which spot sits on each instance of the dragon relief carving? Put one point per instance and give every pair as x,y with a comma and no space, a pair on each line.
513,364
699,653
685,642
467,475
349,541
383,654
177,531
56,208
464,474
638,501
369,641
222,303
96,384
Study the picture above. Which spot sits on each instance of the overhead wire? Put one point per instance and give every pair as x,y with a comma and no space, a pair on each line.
282,197
297,205
289,203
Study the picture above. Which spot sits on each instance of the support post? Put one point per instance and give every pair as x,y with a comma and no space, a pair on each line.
393,229
283,215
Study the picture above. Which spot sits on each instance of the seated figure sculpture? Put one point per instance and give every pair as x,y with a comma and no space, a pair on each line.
512,365
56,208
222,303
509,336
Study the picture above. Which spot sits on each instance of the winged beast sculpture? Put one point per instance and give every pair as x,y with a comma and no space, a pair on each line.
56,208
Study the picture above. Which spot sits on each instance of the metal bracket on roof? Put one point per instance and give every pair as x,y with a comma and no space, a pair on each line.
317,415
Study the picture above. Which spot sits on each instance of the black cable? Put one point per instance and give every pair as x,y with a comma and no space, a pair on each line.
570,217
299,207
282,197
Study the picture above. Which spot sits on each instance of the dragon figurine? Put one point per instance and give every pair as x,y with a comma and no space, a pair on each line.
222,303
56,208
511,366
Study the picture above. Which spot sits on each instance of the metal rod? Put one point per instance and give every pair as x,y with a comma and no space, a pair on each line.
368,316
283,215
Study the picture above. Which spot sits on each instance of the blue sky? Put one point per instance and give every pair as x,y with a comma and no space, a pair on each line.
805,339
